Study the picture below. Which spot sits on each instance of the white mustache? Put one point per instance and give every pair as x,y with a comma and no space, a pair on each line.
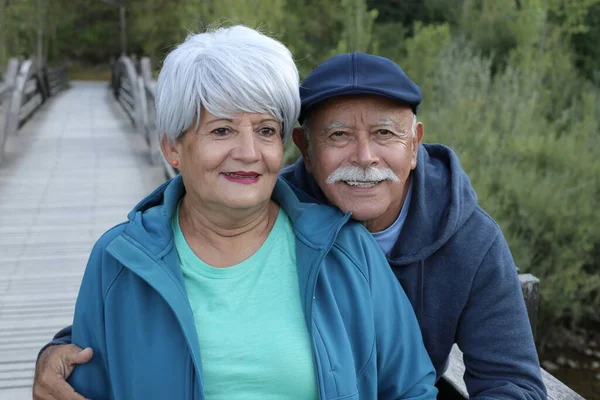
358,174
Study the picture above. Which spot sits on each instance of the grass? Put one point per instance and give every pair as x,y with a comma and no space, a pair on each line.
79,72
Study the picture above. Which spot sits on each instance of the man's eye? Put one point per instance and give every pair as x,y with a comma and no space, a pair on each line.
384,132
221,131
338,133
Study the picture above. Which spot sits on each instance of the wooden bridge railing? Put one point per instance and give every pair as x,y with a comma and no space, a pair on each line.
57,79
127,89
135,89
22,91
138,101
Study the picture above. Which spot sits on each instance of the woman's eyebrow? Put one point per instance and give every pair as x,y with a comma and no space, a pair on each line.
220,120
269,119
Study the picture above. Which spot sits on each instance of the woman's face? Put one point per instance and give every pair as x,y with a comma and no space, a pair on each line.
229,163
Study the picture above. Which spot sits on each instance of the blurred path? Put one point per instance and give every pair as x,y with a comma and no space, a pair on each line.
72,172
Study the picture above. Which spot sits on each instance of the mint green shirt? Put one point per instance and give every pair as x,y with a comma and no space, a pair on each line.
251,329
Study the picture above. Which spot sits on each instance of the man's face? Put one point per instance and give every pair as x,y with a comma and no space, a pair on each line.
361,150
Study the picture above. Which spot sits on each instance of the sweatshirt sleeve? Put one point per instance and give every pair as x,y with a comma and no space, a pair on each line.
91,380
404,368
62,337
494,333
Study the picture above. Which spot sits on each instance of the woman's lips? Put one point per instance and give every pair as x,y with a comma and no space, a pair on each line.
245,177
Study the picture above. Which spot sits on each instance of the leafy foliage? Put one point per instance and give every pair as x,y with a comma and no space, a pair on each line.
530,149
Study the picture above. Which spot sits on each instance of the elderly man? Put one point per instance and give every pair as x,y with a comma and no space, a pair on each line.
362,152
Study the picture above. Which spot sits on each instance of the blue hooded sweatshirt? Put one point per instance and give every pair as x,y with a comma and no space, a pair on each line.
457,270
133,310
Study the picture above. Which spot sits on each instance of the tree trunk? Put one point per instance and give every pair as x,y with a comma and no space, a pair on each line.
3,55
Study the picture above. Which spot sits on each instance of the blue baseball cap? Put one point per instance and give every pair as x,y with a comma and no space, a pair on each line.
358,73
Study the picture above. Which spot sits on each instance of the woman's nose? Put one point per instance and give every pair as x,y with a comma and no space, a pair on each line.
245,149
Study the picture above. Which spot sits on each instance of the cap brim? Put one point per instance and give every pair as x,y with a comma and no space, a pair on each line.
349,92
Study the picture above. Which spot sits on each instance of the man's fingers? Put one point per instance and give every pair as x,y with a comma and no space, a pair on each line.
53,367
61,390
82,357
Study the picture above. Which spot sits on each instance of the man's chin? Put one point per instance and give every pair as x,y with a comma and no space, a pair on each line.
364,216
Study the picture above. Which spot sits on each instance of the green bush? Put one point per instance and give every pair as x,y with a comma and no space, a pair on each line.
537,172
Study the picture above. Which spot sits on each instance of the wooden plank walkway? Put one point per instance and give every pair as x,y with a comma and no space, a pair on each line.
72,172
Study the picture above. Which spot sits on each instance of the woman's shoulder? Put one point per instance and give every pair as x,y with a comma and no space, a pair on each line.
100,263
107,237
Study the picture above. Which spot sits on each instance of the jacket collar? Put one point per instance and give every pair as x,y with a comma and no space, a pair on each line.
150,220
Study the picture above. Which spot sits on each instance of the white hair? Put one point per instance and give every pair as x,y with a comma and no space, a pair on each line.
226,71
413,128
354,173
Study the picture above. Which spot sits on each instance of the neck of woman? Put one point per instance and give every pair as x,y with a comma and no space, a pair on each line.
222,238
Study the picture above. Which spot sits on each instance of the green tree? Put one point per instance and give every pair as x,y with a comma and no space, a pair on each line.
535,173
357,33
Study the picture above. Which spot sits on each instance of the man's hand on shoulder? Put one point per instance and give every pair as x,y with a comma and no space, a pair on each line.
53,367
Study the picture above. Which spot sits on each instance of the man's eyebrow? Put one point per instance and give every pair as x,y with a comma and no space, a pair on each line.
389,122
334,125
385,122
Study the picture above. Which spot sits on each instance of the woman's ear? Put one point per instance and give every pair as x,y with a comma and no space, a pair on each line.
170,151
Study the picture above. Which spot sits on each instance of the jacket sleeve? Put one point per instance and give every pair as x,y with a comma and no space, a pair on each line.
404,368
62,337
91,380
494,333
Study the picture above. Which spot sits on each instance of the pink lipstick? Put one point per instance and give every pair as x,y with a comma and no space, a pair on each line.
245,177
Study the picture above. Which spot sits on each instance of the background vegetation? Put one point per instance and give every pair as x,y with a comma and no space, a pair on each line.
511,85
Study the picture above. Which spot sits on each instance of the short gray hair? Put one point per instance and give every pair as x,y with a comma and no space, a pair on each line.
226,70
413,128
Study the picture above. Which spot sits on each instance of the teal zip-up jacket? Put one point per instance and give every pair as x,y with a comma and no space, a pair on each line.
133,310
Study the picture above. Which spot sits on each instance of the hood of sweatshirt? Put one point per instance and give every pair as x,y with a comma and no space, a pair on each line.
442,201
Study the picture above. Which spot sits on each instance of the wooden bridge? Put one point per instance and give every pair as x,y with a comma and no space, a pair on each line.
74,159
74,168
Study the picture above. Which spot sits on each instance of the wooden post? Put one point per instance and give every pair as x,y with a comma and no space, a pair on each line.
10,80
12,69
146,70
456,371
531,293
14,103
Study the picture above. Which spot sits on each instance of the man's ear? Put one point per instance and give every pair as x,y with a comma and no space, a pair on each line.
417,139
169,150
301,142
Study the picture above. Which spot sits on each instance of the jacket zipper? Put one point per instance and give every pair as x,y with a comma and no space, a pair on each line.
314,345
128,240
192,383
312,297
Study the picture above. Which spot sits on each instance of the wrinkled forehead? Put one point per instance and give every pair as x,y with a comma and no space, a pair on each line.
348,111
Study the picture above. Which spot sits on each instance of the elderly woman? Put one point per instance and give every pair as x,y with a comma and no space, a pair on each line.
222,284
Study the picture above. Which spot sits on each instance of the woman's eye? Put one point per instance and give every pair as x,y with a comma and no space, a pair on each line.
267,131
221,131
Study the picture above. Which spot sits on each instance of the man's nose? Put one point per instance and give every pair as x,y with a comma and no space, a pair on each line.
365,155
